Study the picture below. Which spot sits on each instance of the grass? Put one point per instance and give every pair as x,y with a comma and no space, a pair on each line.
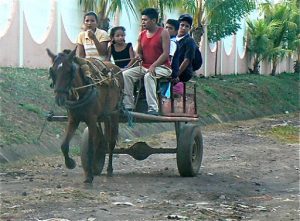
287,133
26,98
238,97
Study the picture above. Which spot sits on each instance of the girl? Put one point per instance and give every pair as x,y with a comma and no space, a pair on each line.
92,42
119,49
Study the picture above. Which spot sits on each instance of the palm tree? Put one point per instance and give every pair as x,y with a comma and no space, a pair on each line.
258,41
104,8
161,5
281,13
293,36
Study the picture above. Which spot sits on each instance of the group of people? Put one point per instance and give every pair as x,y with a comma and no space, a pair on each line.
163,52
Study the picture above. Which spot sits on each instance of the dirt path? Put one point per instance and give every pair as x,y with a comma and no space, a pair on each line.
245,175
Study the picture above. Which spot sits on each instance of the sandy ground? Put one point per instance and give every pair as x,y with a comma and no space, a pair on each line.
245,175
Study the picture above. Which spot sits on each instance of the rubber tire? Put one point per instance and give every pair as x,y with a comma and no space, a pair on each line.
84,155
189,150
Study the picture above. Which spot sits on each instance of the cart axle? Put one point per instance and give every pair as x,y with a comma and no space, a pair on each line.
141,150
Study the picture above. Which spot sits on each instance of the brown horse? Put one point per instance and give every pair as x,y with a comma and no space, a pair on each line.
90,102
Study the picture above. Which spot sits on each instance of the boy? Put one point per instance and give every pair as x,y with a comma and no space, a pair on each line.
153,49
186,49
172,26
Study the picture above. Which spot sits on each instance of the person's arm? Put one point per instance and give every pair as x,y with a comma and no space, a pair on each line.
139,52
101,46
185,63
188,57
80,47
80,50
131,54
108,57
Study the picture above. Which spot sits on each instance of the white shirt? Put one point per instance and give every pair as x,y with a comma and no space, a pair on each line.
173,46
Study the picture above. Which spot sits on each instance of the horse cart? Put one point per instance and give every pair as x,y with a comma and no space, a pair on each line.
180,110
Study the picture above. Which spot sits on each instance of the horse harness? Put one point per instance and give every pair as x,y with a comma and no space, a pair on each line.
93,72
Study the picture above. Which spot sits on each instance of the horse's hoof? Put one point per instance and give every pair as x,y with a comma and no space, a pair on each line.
70,163
89,180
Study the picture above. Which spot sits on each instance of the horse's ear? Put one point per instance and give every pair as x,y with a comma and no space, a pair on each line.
51,55
72,54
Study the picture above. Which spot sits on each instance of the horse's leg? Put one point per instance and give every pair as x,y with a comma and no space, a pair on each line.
72,126
92,143
100,150
112,129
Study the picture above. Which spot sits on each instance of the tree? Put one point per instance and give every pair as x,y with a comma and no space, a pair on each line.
220,16
281,13
105,8
293,36
258,41
161,5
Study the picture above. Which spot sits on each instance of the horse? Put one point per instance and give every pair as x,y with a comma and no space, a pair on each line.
89,101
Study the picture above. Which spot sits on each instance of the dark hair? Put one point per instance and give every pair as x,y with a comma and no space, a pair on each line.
115,29
187,18
152,13
91,13
174,23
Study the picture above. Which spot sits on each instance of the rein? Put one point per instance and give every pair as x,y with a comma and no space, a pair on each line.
99,82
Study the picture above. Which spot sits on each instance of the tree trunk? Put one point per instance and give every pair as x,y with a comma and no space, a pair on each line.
104,24
216,59
297,64
197,34
274,66
255,66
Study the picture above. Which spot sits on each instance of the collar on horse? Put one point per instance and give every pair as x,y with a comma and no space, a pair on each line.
88,96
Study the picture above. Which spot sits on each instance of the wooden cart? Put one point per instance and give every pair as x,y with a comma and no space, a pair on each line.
182,111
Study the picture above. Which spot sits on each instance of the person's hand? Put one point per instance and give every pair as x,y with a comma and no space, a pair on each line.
138,58
91,34
151,70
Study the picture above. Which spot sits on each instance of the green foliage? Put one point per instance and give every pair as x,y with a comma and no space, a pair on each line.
32,108
276,35
224,16
284,35
105,8
259,43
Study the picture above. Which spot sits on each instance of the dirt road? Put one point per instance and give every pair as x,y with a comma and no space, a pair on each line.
245,175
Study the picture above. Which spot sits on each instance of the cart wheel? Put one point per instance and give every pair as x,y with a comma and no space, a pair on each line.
189,150
98,162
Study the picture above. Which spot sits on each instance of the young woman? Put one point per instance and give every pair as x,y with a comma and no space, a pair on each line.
121,51
92,42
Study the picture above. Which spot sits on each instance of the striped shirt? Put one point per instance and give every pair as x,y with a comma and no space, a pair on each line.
89,45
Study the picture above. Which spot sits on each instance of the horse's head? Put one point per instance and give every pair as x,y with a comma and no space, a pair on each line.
62,72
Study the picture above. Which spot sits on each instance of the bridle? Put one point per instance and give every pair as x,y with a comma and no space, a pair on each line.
90,93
